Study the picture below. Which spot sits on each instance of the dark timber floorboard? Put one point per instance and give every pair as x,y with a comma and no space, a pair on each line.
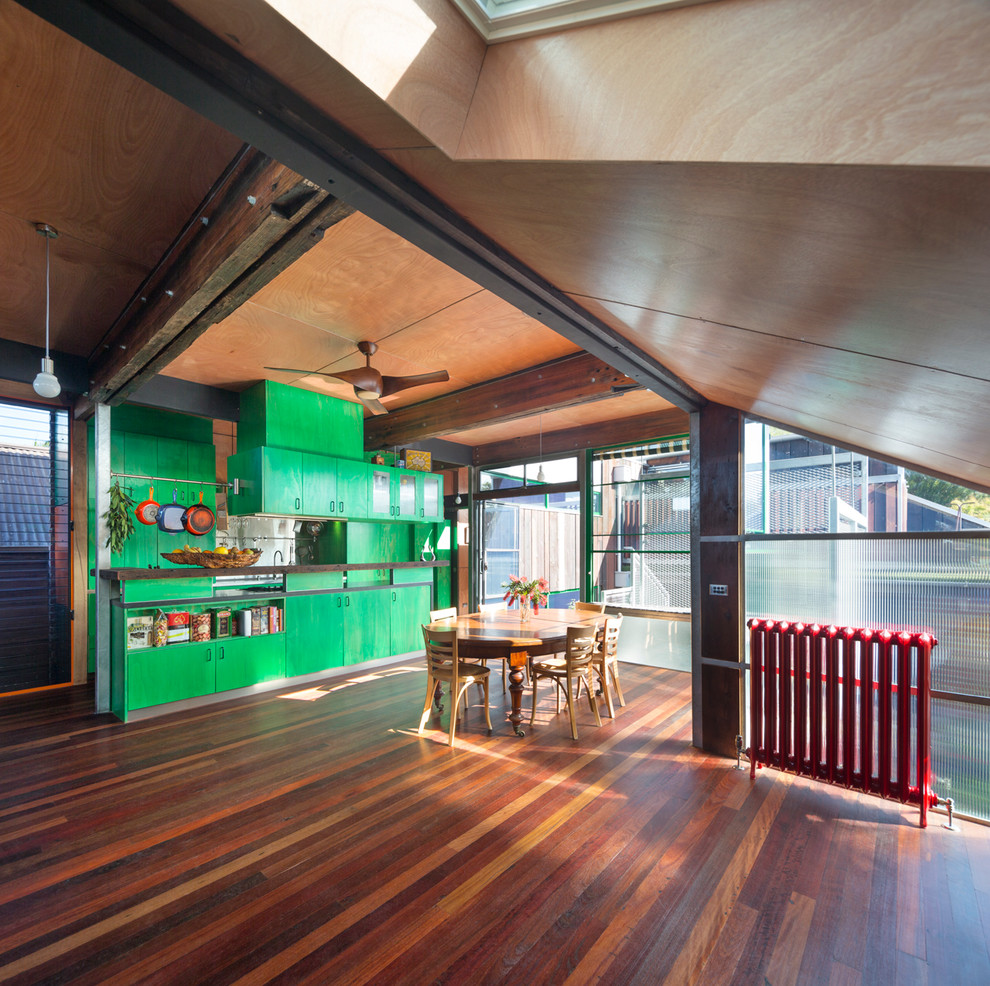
310,836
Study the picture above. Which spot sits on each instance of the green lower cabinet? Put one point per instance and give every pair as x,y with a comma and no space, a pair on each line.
170,674
367,625
314,633
243,661
410,610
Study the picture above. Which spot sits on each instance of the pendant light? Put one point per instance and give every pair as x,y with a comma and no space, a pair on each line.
540,476
46,383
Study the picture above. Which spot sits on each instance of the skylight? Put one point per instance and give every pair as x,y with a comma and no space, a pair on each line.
501,20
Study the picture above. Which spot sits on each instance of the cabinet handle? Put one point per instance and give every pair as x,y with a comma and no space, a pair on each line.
221,654
209,654
340,507
338,602
393,596
347,601
298,503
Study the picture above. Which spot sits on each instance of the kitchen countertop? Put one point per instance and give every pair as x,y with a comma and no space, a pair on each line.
196,572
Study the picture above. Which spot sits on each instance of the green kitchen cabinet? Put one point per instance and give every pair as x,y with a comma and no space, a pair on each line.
313,633
380,497
352,489
410,609
430,496
243,661
169,674
276,415
283,481
367,625
270,481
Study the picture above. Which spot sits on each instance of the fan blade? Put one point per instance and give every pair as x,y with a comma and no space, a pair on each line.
364,378
392,385
374,405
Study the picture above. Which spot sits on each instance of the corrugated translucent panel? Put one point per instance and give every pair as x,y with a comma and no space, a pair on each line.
960,761
939,585
942,586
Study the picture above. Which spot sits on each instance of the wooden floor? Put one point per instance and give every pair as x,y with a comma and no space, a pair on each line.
314,838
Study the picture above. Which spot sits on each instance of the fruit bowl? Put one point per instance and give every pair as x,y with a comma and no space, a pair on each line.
210,559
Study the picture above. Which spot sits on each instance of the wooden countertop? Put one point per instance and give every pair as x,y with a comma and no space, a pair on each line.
196,572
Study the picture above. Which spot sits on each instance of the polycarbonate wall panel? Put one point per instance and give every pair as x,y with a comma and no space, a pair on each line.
936,584
960,765
932,584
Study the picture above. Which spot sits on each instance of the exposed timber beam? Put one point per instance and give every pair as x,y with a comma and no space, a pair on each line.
257,220
572,380
168,49
641,428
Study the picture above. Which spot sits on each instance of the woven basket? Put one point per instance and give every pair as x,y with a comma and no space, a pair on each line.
209,560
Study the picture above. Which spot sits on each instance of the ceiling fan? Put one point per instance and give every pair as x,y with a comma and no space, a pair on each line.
369,385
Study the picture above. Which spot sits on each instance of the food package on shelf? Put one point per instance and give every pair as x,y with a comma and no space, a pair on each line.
140,631
160,629
222,620
178,628
199,626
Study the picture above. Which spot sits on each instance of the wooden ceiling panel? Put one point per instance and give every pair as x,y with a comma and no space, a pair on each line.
364,282
83,144
868,259
87,283
478,338
907,411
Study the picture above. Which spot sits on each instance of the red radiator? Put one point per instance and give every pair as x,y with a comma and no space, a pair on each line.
845,705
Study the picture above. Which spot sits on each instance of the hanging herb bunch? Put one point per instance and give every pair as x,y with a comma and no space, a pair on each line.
119,518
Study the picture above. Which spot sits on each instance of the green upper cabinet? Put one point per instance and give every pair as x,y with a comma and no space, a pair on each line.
273,414
430,498
352,489
270,481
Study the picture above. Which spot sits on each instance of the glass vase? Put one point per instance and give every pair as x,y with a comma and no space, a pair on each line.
525,610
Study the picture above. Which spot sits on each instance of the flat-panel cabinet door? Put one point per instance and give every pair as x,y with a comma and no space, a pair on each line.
313,633
367,625
319,485
169,674
352,489
243,661
410,610
281,481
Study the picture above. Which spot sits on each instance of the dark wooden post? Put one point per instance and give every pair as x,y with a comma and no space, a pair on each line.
717,521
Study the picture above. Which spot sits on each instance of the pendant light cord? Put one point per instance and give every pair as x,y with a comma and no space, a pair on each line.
48,289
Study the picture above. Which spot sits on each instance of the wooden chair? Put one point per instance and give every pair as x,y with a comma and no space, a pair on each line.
443,614
605,661
590,607
442,664
568,671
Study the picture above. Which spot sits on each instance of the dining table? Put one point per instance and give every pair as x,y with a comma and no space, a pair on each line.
513,637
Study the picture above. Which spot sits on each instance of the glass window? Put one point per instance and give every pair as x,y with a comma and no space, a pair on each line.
641,524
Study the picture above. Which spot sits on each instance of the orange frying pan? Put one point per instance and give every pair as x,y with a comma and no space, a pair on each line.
147,510
199,518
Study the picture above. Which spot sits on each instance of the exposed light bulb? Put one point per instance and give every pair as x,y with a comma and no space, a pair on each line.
46,383
540,476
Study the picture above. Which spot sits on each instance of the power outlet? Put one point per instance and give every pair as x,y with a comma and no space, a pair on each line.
718,590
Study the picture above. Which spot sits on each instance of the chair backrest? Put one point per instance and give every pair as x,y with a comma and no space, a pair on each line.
490,607
580,646
608,635
590,607
441,649
443,614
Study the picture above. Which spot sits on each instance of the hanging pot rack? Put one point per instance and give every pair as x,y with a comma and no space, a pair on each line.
174,482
